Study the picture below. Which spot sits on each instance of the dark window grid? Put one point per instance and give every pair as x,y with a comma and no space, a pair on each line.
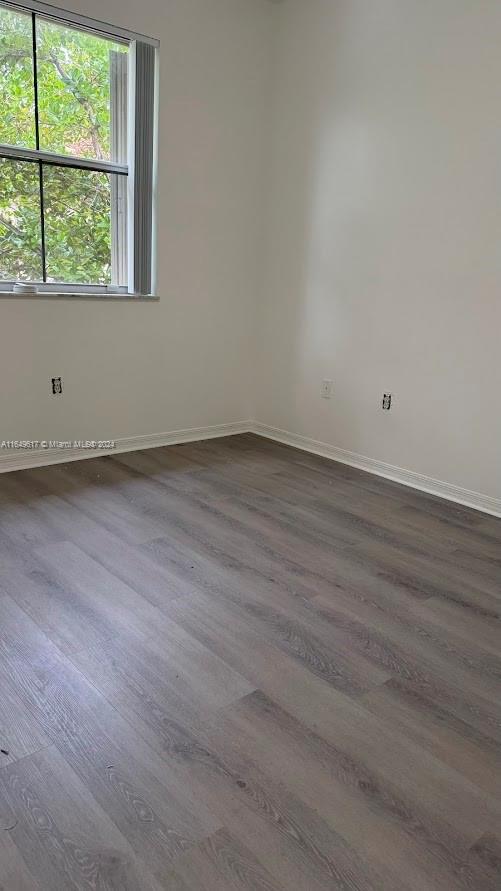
40,163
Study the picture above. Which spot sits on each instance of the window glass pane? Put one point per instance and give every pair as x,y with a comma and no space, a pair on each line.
17,105
82,211
78,77
20,234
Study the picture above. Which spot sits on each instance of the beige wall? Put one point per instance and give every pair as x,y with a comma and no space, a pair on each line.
384,263
329,207
135,369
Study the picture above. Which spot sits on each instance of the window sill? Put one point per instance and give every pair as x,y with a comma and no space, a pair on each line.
77,295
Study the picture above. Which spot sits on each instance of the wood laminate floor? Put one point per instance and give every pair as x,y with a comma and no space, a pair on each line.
232,665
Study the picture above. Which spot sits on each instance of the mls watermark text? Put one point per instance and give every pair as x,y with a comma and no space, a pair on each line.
57,444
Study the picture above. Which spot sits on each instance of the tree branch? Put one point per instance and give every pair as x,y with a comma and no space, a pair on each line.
66,79
15,55
19,54
10,226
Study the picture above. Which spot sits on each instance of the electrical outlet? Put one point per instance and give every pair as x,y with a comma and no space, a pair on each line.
387,401
326,389
57,386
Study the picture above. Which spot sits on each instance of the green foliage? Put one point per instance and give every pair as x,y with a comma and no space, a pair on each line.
20,256
77,203
17,123
73,69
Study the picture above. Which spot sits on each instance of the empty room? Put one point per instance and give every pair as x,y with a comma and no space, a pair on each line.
250,445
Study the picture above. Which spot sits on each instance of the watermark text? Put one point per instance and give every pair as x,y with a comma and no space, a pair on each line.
57,444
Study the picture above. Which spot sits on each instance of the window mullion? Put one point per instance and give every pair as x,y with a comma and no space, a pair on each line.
18,153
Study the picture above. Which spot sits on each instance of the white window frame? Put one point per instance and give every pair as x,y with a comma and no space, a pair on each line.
141,167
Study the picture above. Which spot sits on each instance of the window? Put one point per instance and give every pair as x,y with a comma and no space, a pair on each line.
76,154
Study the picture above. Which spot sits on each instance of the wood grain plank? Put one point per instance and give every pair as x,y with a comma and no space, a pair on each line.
123,560
170,670
221,863
486,854
62,835
456,743
14,874
232,664
333,779
20,733
120,607
69,619
277,614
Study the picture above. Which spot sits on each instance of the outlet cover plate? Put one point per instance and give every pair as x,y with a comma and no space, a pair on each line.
326,388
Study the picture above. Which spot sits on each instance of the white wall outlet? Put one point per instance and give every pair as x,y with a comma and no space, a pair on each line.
326,388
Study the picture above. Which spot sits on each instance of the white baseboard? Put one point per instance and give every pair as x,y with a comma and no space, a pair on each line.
19,459
450,492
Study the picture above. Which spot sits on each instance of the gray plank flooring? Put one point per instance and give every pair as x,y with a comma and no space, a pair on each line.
232,665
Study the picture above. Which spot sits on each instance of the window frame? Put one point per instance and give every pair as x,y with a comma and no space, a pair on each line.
129,170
